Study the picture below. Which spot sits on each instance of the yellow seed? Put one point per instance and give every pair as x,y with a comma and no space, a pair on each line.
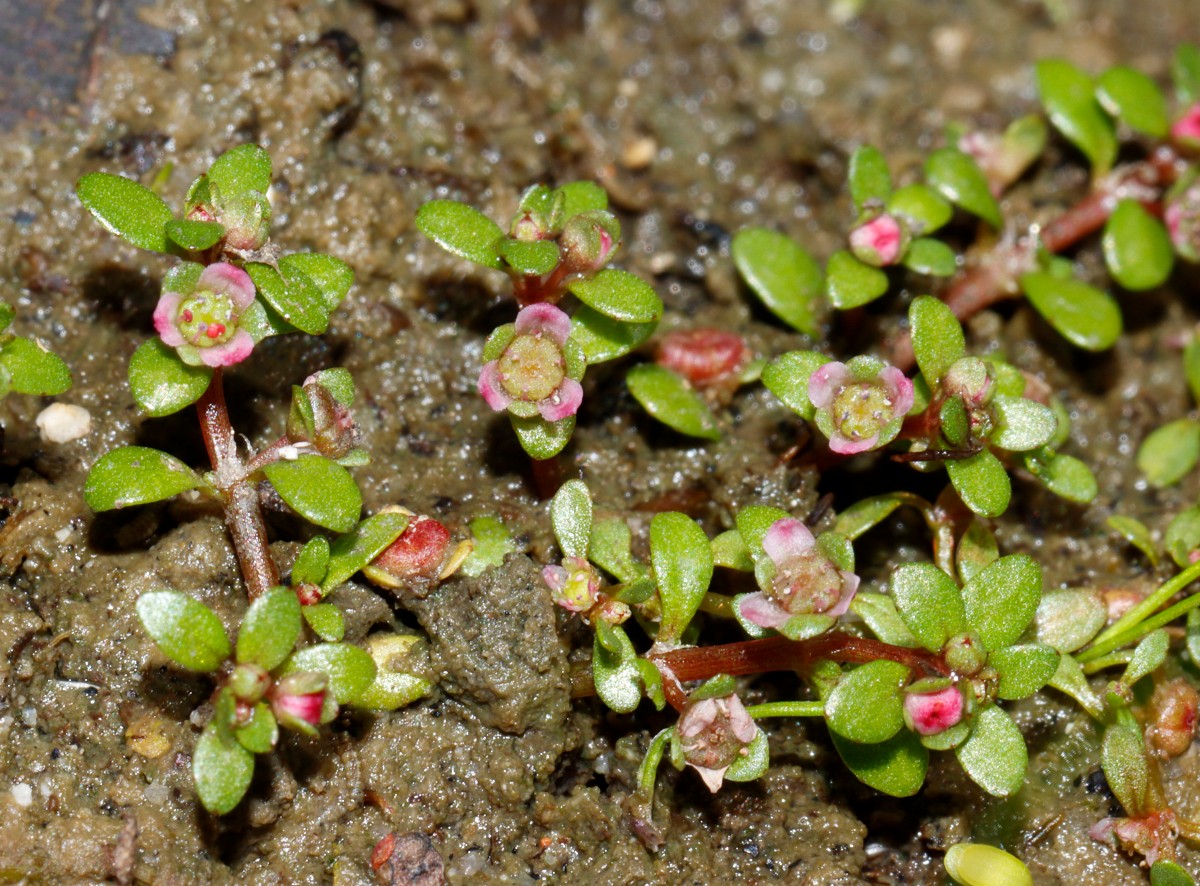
975,864
147,736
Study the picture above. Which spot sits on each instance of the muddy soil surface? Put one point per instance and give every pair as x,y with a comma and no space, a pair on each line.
700,117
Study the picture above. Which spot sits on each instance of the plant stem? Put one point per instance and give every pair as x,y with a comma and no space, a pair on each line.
787,709
243,515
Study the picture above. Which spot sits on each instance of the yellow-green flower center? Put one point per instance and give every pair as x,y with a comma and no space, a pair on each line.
860,409
206,319
807,583
531,368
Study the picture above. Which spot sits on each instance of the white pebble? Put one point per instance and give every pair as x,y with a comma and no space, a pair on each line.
64,422
22,794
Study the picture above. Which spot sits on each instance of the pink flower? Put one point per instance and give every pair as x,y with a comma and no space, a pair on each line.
1187,128
805,581
1151,834
879,242
928,713
202,325
575,585
861,405
298,701
713,734
536,368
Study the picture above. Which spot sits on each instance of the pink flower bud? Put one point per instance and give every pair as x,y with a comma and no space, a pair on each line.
416,556
879,242
928,713
575,586
703,356
298,701
1186,130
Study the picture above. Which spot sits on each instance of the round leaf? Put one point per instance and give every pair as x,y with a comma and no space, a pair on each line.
1002,599
261,734
994,755
787,378
350,670
582,196
296,299
867,704
672,401
933,257
753,762
937,337
683,566
127,209
982,483
783,275
1170,452
1023,670
922,207
240,170
32,369
542,439
529,257
1021,424
135,475
879,613
852,284
1137,247
571,518
326,621
1169,873
869,178
269,629
317,489
1134,99
1070,617
161,383
929,602
1070,102
960,180
619,295
222,769
312,562
462,230
602,338
1064,475
331,276
1183,536
895,767
187,631
865,514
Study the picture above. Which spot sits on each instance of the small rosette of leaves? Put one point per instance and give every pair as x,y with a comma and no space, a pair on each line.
26,365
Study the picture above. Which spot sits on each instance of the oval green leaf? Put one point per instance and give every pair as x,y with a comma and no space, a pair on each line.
681,557
135,475
222,770
260,735
1085,316
319,490
783,275
1170,452
981,482
269,629
194,236
187,631
542,439
937,337
241,170
161,383
619,295
615,672
529,257
994,755
1134,99
895,767
869,178
852,284
671,400
32,369
1023,670
1137,247
1001,600
331,276
960,180
933,257
351,670
355,549
1021,424
929,602
571,518
922,207
787,378
867,705
602,338
1069,98
461,230
127,209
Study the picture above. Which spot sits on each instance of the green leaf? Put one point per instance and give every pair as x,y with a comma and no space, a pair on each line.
865,514
619,295
929,602
879,613
753,762
492,544
571,518
1123,759
32,369
681,557
1149,654
1070,680
1168,873
1136,533
135,475
1191,366
609,548
351,670
1193,635
1024,669
1137,248
960,180
1185,71
921,207
981,482
1069,618
1002,599
937,337
869,177
296,300
582,196
895,767
312,562
194,236
603,338
7,313
933,257
185,630
1064,475
542,439
994,755
395,655
269,629
1021,424
127,209
161,383
1134,99
319,490
1170,452
461,230
326,621
261,734
852,284
1183,536
1068,96
867,705
222,770
354,550
615,672
787,378
240,170
671,400
331,276
783,275
975,550
753,523
529,257
1085,316
730,551
976,864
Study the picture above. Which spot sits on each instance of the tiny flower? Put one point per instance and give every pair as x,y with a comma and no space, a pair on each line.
588,241
928,713
713,734
704,356
298,700
1182,216
245,218
861,405
537,372
880,241
1187,128
415,557
203,325
1150,835
575,585
805,581
322,421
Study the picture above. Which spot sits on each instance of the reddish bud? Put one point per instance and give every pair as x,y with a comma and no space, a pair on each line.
417,555
928,713
1172,718
703,356
308,593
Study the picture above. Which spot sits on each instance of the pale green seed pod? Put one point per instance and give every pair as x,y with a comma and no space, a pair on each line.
975,864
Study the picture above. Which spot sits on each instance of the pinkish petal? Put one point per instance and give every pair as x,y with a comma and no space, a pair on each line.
759,610
843,445
545,319
1187,127
713,778
740,722
787,539
563,402
164,319
230,280
698,717
1102,831
489,387
233,351
930,713
850,583
899,388
825,382
555,577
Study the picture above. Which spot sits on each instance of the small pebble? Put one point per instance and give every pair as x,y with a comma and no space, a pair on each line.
64,422
22,794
